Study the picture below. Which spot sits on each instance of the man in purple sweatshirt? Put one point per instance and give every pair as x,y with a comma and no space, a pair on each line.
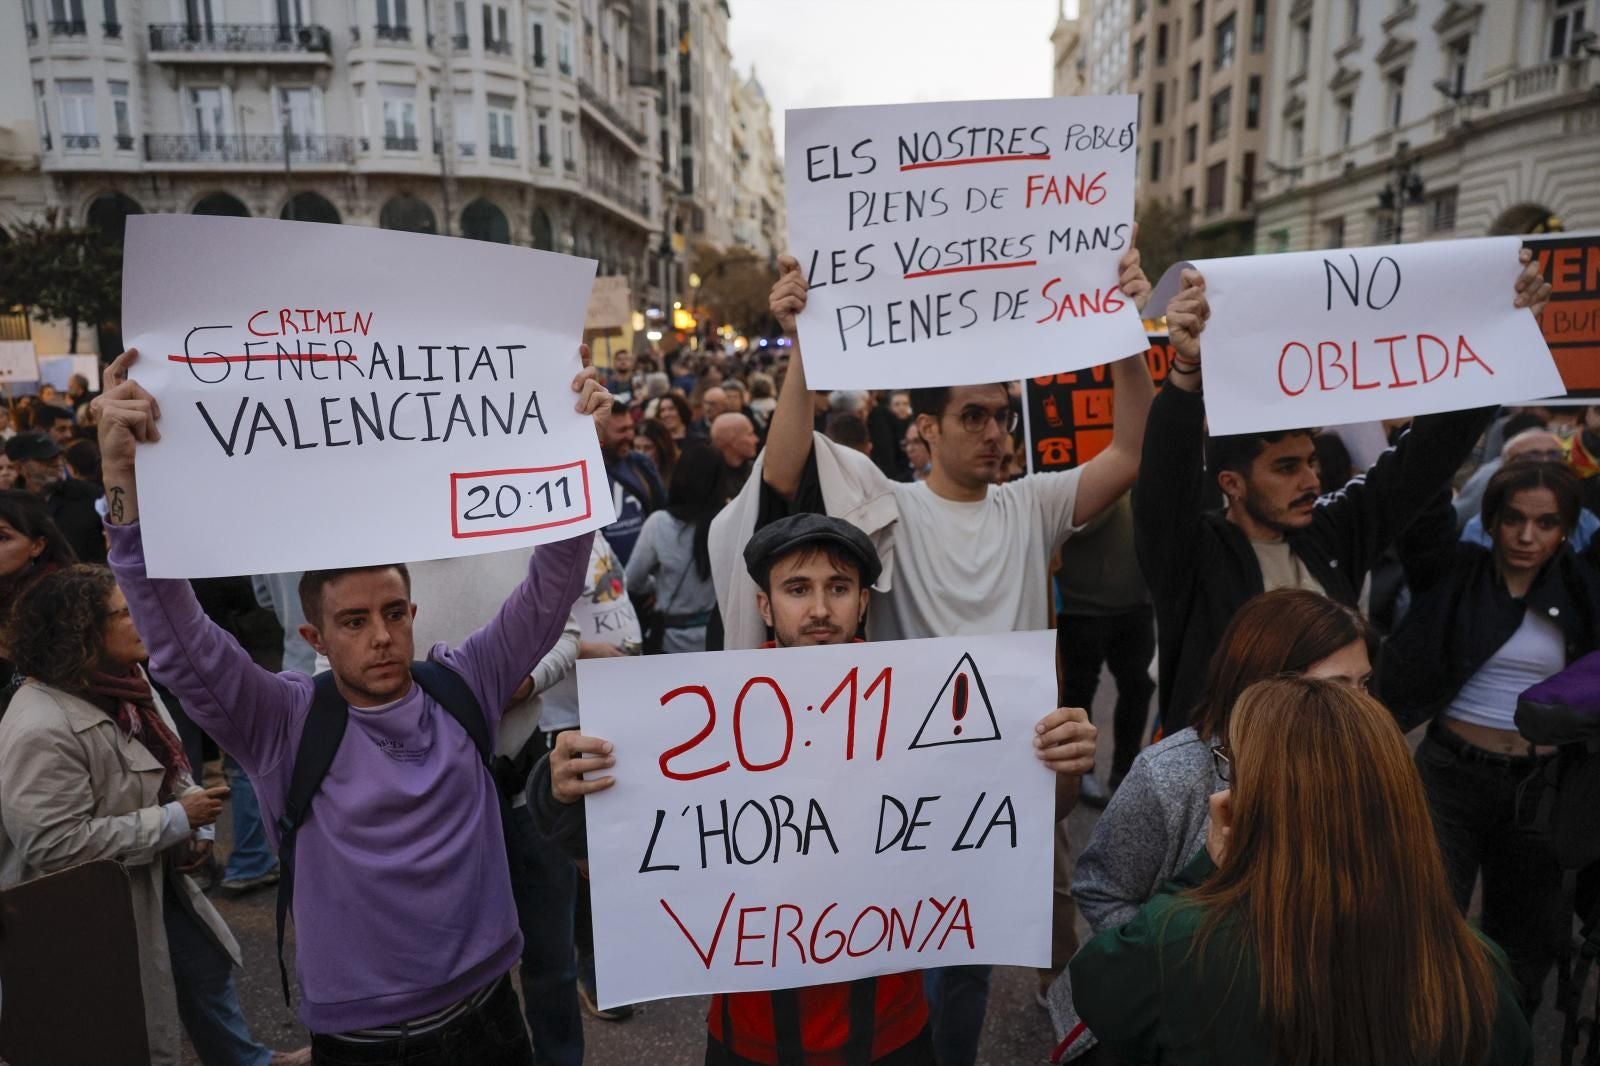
405,924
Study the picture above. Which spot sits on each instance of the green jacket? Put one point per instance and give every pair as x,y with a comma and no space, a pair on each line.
1150,1001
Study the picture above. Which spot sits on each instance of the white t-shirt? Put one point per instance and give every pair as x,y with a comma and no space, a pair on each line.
604,615
974,567
1536,651
1281,568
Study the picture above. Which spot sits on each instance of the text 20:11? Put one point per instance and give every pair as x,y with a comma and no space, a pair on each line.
849,689
504,509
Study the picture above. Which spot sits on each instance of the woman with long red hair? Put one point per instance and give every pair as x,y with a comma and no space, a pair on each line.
1317,926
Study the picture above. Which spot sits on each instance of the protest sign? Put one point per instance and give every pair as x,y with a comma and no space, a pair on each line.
339,396
811,815
1359,334
962,243
17,362
58,370
1571,321
1066,418
610,305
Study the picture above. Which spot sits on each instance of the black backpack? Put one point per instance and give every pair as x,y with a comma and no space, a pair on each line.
319,743
1564,711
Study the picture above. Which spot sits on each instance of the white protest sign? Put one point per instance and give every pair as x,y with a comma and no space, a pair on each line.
18,362
962,243
1357,334
809,815
339,395
59,369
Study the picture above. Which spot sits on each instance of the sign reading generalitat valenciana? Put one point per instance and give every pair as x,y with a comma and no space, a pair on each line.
961,243
338,395
807,815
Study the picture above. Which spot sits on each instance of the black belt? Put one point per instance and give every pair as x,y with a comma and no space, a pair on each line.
1467,751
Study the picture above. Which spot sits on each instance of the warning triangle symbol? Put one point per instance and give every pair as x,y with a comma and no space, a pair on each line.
961,713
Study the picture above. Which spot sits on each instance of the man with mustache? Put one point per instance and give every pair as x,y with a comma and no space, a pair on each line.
814,575
1275,531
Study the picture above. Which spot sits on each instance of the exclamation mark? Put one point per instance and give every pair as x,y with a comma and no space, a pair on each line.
958,701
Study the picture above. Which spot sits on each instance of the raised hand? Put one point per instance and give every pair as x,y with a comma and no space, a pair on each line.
1130,274
573,756
788,296
1532,290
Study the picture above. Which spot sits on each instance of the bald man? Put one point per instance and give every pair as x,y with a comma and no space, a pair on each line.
734,438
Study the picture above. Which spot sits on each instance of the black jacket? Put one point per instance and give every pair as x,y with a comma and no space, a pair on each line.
1200,567
1461,614
70,503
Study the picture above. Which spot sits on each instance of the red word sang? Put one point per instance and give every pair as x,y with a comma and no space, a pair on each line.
1328,366
1105,302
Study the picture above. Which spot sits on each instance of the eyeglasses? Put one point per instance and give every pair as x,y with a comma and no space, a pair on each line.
1223,762
976,419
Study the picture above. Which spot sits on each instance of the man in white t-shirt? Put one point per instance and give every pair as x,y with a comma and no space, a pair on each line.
961,554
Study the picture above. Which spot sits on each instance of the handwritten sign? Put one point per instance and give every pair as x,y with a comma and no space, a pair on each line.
610,305
962,243
18,362
1571,321
808,815
1066,418
1358,334
339,396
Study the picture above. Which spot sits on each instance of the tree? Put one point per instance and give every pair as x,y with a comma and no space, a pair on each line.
734,286
55,271
1164,236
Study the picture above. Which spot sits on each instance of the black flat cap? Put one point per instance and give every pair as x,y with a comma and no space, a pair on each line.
772,542
31,446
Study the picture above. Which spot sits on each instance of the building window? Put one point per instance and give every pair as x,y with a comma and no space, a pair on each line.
1382,227
542,131
399,117
1197,18
1216,187
466,128
1302,46
1222,44
112,25
1352,19
66,19
1252,103
1258,25
1456,65
1247,181
1161,104
1194,82
1221,115
502,138
1345,116
121,116
536,40
1188,200
1191,144
1138,58
1442,212
393,21
1139,7
1155,161
569,145
78,128
496,31
1294,140
1161,44
44,115
458,24
1566,28
564,47
1396,82
1333,233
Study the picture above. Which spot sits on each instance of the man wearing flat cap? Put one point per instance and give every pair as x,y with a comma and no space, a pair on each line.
814,575
69,501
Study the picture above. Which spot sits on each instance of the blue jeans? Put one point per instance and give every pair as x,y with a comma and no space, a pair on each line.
545,884
958,998
208,1003
252,855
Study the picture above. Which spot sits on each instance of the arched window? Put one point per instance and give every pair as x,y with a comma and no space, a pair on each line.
483,221
543,233
309,207
408,214
220,203
109,214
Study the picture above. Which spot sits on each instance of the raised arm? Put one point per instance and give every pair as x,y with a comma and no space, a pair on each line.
1111,473
245,709
789,433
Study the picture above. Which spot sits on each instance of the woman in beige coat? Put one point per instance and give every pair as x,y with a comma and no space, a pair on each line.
90,769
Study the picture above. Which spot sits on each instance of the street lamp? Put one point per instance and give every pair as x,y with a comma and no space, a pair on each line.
1458,95
288,174
1403,188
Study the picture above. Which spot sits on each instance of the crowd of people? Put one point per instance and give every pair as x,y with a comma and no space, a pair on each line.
1277,876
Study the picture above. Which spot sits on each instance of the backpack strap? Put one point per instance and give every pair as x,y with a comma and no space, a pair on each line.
863,1021
450,690
319,743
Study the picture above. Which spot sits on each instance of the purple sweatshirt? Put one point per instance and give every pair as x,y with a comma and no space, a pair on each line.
402,896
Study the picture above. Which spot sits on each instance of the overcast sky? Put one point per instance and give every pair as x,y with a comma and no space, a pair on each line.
829,53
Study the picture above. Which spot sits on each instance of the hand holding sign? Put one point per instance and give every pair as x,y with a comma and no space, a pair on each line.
1326,338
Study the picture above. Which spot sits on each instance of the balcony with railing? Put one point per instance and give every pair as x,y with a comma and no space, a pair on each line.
112,31
396,143
249,150
460,42
256,42
69,28
497,48
392,34
631,202
81,142
503,151
591,97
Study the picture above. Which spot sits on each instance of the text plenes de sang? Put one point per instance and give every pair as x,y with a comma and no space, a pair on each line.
445,391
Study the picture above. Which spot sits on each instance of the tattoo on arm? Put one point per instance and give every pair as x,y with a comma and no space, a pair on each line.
114,504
